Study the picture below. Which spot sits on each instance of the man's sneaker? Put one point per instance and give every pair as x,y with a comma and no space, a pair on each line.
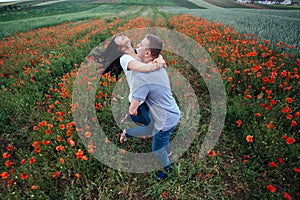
161,176
164,174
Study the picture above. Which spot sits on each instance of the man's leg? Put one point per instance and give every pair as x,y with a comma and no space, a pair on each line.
160,143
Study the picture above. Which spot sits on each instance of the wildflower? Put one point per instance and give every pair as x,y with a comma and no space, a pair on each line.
239,123
62,127
293,123
4,175
297,170
56,174
24,176
71,142
10,182
287,196
60,148
164,195
58,138
6,155
249,138
280,160
10,147
42,124
211,153
286,109
48,132
289,100
34,187
32,160
77,175
271,126
273,164
251,54
88,134
37,149
290,140
23,161
44,142
8,163
79,154
61,160
122,151
271,188
257,114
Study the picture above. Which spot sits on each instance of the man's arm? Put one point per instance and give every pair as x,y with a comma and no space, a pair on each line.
133,107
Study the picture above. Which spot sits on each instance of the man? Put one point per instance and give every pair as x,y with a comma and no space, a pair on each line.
154,89
130,62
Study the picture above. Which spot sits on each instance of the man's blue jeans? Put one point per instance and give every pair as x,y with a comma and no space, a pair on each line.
161,146
160,139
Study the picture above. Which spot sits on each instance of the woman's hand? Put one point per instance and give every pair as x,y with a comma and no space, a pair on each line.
160,62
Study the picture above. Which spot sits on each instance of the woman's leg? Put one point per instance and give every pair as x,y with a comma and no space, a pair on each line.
143,116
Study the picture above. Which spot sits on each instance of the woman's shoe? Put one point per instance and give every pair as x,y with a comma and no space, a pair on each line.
123,137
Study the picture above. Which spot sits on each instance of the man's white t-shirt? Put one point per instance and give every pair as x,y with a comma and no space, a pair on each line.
124,61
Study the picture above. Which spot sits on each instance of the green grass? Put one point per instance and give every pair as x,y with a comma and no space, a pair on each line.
102,10
180,3
34,9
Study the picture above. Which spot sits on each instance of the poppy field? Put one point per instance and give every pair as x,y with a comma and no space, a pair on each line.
43,157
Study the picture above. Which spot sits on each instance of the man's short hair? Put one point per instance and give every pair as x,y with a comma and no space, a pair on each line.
155,45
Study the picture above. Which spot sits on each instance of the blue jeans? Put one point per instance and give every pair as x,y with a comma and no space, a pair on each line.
161,146
160,139
143,117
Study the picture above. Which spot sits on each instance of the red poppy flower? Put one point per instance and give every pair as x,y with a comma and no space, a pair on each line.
297,170
287,196
271,188
239,123
273,164
249,138
24,176
290,140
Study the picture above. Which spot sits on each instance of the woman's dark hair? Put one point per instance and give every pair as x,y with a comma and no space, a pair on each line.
109,58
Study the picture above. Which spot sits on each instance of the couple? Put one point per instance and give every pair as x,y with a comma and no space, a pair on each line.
150,97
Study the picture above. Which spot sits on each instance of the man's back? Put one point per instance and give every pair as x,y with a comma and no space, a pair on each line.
154,88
